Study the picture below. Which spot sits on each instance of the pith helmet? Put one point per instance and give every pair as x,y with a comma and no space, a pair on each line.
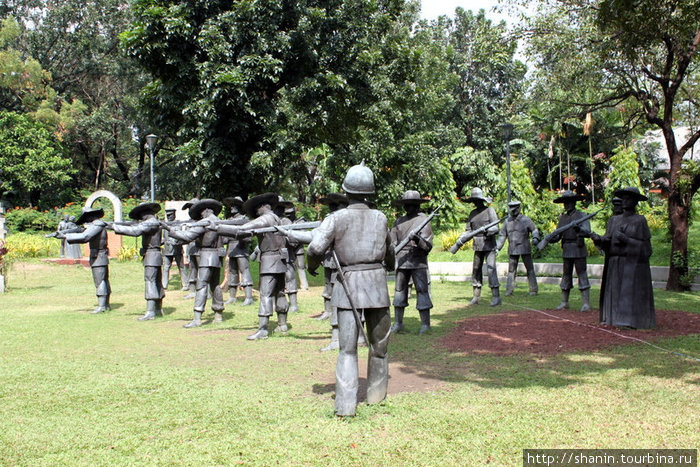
359,180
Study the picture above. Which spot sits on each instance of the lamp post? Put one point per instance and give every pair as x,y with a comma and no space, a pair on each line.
151,141
507,131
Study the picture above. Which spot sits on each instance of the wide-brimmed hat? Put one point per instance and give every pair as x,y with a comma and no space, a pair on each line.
334,198
616,200
632,192
230,201
514,203
144,208
251,205
89,214
477,195
190,203
567,196
410,197
199,206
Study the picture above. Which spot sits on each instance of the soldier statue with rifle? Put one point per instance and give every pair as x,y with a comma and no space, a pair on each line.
95,234
482,226
209,267
273,260
359,239
238,253
173,251
573,228
517,230
148,228
412,259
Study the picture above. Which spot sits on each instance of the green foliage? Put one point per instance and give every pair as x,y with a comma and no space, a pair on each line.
690,264
128,253
34,164
25,245
445,239
537,205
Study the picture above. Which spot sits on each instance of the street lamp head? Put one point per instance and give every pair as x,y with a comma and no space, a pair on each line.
151,141
507,131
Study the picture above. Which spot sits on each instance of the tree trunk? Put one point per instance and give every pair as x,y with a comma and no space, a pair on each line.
678,215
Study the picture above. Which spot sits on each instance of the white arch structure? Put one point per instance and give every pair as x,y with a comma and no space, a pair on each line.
116,202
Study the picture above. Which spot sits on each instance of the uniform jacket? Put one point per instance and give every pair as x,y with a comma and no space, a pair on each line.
149,231
415,254
478,218
96,235
360,237
517,230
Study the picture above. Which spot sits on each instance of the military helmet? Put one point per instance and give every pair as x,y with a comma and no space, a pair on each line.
359,180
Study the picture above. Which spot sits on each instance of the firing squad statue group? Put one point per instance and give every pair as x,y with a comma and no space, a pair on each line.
357,249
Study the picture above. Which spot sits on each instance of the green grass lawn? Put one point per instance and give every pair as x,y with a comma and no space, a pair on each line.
83,389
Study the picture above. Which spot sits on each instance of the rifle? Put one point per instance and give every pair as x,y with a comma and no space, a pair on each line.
466,236
402,244
62,233
274,228
355,313
548,238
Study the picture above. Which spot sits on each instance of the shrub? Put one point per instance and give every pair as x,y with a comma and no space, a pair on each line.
444,240
127,253
29,245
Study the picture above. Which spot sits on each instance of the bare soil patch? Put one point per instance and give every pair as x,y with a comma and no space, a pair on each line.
532,332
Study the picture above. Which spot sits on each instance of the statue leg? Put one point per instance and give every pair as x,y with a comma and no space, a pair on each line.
233,281
100,277
301,270
246,279
267,304
378,326
583,284
346,373
512,268
167,263
492,274
477,276
400,299
531,277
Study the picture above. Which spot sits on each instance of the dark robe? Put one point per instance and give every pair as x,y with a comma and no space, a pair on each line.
627,296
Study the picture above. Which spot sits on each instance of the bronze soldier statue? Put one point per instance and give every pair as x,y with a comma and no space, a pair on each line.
173,251
238,252
149,230
482,226
627,294
573,249
209,266
335,202
517,229
95,234
273,260
361,244
193,256
297,249
290,276
412,260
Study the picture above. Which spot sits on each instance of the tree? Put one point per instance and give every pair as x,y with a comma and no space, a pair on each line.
642,54
76,42
33,164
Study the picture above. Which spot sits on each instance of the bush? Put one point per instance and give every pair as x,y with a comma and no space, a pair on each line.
127,253
444,240
28,245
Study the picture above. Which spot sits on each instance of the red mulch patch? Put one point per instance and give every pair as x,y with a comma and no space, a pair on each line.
531,332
